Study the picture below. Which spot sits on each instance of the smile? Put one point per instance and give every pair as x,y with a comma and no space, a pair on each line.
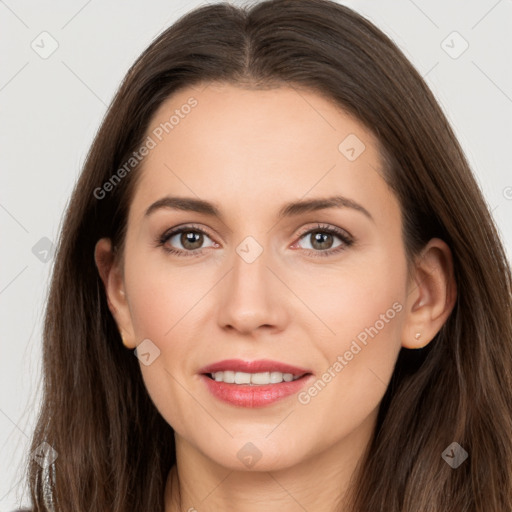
255,379
253,383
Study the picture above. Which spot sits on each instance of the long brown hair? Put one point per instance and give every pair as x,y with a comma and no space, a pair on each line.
114,450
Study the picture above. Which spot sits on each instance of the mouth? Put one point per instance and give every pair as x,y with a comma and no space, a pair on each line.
253,379
253,383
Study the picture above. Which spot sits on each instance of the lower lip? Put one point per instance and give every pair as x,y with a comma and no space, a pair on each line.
243,395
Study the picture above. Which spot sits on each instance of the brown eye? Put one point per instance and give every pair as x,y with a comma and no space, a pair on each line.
191,240
321,240
325,240
185,240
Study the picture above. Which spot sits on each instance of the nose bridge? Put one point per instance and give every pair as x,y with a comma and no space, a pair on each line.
250,294
250,266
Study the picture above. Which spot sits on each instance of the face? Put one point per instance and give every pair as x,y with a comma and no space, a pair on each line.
314,292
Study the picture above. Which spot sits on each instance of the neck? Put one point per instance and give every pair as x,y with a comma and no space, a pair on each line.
320,482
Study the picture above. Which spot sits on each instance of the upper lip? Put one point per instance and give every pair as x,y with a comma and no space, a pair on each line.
257,366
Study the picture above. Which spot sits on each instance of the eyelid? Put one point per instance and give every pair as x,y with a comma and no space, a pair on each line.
184,227
325,227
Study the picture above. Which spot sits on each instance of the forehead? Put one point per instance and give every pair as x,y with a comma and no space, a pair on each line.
227,142
225,116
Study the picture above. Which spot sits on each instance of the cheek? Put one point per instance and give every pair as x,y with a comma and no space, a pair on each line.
162,297
359,363
360,298
166,307
364,313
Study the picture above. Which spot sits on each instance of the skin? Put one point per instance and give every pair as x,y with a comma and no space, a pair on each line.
249,152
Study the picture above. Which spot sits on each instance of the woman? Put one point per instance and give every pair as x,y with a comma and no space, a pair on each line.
277,220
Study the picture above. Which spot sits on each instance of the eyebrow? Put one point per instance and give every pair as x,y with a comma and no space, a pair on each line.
291,209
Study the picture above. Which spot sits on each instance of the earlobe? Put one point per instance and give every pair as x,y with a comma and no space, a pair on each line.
111,276
431,295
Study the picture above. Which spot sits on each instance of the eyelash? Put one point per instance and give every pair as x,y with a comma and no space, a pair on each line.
346,239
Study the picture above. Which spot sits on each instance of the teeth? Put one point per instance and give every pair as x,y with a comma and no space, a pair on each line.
227,376
242,378
256,379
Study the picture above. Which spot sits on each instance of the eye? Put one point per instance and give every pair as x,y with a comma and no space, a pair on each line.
322,240
190,238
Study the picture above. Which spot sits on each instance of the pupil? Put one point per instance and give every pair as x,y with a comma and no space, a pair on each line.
191,240
322,239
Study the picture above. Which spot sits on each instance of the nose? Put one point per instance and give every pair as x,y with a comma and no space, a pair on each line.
252,297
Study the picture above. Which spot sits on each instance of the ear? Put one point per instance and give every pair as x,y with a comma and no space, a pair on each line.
431,295
112,276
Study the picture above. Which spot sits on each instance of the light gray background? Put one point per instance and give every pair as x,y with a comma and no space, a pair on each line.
51,109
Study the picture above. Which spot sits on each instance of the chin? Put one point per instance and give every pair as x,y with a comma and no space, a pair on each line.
254,454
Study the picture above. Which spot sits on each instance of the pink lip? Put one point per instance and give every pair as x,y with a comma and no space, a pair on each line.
245,395
260,365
